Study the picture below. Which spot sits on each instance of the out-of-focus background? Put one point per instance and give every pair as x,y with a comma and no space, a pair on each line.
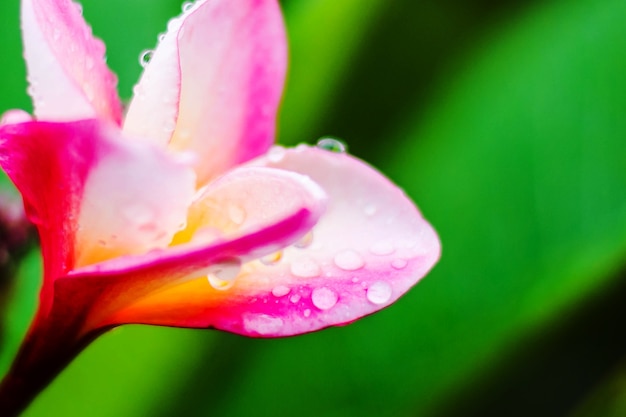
506,122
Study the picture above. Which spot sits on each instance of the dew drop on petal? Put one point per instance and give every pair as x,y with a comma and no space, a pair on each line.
295,298
399,263
161,37
263,324
305,268
379,292
332,145
370,210
237,214
222,276
305,241
324,298
79,7
349,260
382,248
145,57
280,291
306,312
276,154
187,6
272,258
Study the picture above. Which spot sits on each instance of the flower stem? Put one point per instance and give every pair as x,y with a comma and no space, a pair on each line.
45,352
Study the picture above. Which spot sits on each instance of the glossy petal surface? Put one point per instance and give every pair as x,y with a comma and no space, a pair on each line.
218,75
69,79
369,248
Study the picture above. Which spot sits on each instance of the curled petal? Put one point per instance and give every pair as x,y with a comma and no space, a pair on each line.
218,74
369,248
69,79
135,199
76,177
49,164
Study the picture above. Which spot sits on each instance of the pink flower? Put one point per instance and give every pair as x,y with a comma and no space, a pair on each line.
181,213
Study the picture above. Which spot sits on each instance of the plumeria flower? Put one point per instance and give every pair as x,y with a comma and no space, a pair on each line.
180,212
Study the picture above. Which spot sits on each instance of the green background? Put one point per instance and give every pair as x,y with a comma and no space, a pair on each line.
506,122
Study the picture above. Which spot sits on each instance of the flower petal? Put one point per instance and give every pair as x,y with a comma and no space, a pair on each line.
69,79
73,175
220,72
105,293
49,163
369,248
135,199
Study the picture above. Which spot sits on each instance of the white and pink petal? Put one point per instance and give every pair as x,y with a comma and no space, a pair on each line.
68,76
368,249
219,71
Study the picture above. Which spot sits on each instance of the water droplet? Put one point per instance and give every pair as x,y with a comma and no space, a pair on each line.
379,292
276,154
138,215
79,8
382,248
237,214
161,37
272,258
307,312
349,260
145,57
187,6
332,145
295,298
222,276
89,63
305,241
263,324
305,268
324,298
370,210
399,263
280,291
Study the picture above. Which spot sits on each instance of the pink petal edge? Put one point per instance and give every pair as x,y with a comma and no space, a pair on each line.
369,248
218,74
68,77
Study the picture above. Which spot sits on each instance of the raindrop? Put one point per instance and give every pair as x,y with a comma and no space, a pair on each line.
379,292
399,263
222,276
305,268
307,312
349,260
276,154
79,8
295,298
236,213
324,298
382,248
280,291
138,214
305,241
187,6
161,37
145,57
370,210
272,258
89,63
263,324
332,145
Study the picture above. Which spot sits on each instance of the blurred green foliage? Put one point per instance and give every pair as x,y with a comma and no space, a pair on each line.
505,122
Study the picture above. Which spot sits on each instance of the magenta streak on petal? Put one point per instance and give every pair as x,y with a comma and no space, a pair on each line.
69,78
49,164
113,284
